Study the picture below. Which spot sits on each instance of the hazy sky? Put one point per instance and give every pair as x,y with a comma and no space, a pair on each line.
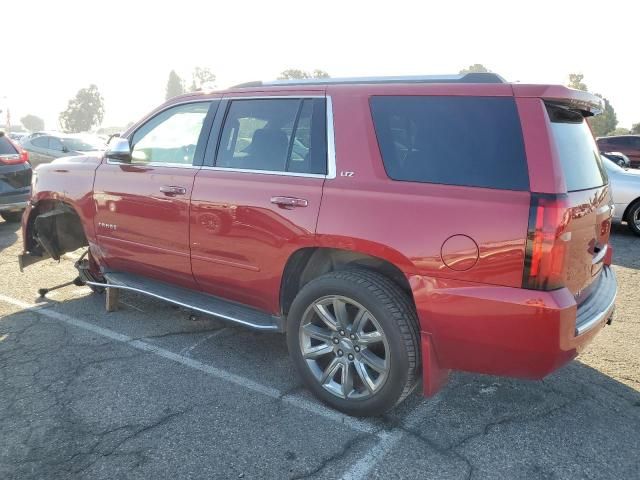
52,49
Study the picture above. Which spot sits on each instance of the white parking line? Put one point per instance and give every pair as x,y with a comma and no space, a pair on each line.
294,400
388,440
186,351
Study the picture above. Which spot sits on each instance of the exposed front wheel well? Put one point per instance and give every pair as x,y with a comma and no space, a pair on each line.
54,228
307,264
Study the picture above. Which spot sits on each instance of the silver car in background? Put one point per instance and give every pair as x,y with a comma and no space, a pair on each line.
625,189
48,147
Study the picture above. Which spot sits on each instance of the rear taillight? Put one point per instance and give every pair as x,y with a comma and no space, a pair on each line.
546,242
21,157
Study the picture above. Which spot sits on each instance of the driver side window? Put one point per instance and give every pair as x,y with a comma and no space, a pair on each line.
171,136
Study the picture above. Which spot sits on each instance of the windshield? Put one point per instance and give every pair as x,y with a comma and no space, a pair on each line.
78,145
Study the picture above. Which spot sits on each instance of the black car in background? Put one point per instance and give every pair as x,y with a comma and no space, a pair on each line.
15,179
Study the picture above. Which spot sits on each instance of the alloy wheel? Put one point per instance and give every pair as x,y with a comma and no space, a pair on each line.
345,347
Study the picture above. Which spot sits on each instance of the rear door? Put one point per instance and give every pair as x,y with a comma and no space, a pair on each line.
142,218
257,198
589,214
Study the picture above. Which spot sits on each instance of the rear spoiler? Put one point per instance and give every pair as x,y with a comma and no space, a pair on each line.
587,103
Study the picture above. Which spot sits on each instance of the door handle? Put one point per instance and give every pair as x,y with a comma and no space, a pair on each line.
173,190
289,202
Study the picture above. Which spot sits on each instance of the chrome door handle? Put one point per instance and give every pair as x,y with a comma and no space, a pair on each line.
289,202
173,190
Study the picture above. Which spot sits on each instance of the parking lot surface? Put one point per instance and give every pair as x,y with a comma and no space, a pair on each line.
151,391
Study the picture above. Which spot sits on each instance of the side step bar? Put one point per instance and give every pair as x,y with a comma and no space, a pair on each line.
201,302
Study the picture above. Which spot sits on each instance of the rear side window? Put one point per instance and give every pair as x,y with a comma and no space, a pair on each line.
468,141
579,155
42,142
278,135
6,147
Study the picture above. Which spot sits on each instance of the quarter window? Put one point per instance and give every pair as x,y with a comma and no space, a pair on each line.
279,135
469,141
170,137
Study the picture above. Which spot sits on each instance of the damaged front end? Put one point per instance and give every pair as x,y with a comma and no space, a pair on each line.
51,231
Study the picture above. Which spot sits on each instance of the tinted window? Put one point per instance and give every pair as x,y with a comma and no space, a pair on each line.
281,135
55,144
579,156
470,141
170,137
6,148
42,142
79,145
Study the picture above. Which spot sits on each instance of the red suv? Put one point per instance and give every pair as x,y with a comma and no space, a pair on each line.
627,144
394,228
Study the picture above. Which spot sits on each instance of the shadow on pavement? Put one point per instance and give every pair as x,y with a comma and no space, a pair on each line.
625,246
8,233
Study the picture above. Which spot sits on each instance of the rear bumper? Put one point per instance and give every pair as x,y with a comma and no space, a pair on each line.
506,331
14,202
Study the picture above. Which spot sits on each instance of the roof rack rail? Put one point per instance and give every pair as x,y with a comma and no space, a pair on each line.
460,78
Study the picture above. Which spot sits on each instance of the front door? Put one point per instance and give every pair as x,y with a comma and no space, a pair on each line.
256,200
143,207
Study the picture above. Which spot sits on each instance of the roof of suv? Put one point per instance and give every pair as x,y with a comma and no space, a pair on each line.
483,84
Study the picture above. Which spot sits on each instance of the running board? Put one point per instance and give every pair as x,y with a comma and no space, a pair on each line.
201,302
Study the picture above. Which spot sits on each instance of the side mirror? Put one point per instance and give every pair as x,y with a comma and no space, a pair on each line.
65,149
119,150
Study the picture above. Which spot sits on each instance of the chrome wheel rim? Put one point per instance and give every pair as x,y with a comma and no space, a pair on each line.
636,218
345,347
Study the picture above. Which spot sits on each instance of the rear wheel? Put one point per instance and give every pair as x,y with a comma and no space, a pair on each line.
353,337
633,218
12,217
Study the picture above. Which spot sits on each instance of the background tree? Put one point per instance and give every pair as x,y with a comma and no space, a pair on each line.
175,86
32,123
603,124
84,111
201,76
575,81
475,68
635,129
295,74
620,131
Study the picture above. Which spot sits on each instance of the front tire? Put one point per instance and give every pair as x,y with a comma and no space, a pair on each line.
353,338
12,217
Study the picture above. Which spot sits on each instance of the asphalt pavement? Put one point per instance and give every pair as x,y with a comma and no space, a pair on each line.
152,391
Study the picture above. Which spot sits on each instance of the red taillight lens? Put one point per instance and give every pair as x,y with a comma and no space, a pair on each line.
546,242
13,159
22,156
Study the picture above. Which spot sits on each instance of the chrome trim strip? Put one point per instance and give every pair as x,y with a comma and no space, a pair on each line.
176,302
265,172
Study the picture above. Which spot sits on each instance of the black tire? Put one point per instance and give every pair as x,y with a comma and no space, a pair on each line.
632,214
12,217
395,314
